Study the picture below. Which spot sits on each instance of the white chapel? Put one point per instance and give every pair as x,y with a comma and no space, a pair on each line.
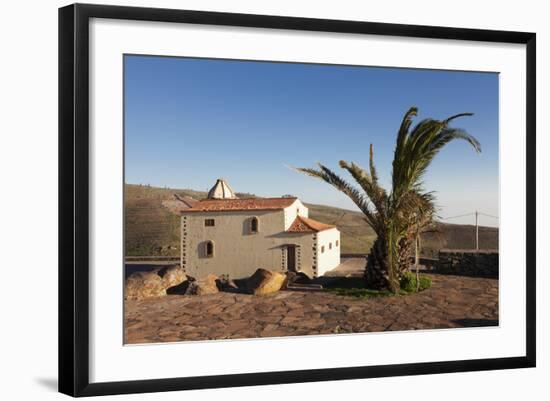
232,237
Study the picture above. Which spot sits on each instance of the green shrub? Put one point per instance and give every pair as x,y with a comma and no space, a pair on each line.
408,282
359,292
355,287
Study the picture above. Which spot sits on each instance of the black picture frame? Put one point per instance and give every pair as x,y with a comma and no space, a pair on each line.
74,198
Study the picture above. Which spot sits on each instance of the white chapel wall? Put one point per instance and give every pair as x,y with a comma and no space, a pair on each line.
237,251
330,258
292,212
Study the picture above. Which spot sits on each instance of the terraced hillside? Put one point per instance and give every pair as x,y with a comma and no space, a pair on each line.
150,229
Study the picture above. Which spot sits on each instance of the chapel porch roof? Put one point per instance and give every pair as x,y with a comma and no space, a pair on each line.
303,225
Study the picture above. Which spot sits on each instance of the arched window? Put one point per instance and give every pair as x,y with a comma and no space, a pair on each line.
254,225
209,249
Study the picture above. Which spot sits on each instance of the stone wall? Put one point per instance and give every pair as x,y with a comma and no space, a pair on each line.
468,262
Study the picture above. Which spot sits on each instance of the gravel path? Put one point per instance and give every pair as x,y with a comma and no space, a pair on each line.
452,301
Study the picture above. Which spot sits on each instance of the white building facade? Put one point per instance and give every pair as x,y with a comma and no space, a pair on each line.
234,237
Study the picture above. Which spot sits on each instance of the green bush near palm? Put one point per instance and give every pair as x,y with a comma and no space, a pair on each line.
409,283
354,287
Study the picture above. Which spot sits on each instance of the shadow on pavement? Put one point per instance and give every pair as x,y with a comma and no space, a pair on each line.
476,322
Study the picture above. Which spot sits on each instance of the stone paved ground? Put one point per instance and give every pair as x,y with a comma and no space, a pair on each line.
452,301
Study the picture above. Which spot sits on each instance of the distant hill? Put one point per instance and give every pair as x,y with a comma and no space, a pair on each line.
151,229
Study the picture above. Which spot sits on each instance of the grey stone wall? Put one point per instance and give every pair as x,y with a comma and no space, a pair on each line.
468,262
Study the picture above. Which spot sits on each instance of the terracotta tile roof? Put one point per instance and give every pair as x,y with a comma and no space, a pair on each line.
221,205
303,225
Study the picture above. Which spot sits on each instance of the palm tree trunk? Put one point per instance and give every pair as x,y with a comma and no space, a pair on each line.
376,272
417,260
405,251
380,273
393,245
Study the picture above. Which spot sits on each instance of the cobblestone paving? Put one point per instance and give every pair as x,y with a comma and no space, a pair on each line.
452,301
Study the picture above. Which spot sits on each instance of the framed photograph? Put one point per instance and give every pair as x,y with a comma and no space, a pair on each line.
251,199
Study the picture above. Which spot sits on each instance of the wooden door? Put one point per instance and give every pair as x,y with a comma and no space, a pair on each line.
291,258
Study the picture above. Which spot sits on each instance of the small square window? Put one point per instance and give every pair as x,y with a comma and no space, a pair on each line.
209,223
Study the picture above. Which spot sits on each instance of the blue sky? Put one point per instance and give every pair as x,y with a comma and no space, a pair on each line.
190,121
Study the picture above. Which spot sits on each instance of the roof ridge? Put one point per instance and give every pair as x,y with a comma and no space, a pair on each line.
243,204
311,224
251,198
309,220
304,220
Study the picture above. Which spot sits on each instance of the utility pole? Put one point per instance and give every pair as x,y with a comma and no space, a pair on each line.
477,233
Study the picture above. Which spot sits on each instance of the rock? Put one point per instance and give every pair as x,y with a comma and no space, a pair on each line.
265,282
289,279
180,289
142,285
302,278
203,286
225,284
292,278
172,276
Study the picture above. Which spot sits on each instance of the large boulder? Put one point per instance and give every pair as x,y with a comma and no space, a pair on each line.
172,276
265,282
204,286
142,285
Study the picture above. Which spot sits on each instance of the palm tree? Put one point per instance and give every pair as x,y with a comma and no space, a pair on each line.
397,217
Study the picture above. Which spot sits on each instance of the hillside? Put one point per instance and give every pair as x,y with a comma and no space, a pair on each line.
150,229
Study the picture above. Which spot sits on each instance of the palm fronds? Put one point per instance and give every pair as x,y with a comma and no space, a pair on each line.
330,177
415,149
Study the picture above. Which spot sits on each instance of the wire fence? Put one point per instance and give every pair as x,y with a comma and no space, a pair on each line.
476,214
470,214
